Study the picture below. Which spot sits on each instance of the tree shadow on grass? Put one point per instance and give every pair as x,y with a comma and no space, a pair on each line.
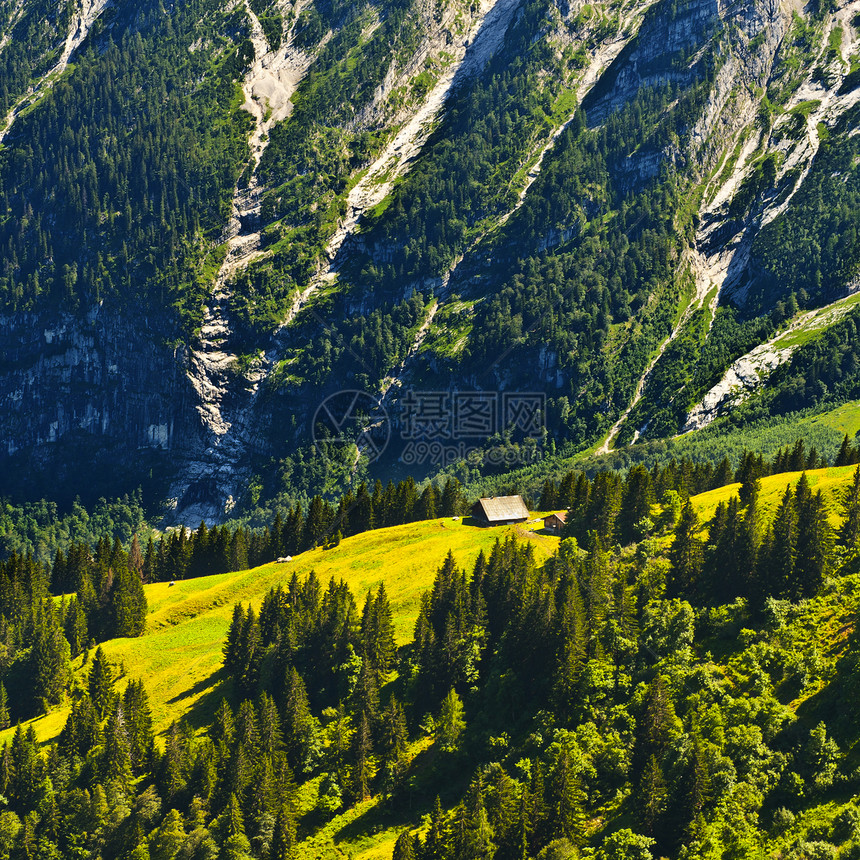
431,774
210,690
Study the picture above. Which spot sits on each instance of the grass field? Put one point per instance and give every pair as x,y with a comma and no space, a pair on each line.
831,482
179,657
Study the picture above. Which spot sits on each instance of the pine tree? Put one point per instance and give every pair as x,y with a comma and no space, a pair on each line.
404,847
100,684
4,711
361,751
284,839
49,658
814,543
686,554
849,532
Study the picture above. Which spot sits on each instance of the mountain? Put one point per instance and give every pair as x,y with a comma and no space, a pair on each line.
643,215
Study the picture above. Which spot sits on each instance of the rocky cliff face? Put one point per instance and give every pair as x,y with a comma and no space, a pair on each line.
103,382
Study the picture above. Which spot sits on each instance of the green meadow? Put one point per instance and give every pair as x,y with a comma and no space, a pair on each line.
179,657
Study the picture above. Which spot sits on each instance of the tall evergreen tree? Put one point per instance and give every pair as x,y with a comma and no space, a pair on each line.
50,655
4,709
849,531
686,554
100,684
814,542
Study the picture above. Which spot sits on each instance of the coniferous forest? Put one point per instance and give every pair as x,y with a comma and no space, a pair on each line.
260,260
661,685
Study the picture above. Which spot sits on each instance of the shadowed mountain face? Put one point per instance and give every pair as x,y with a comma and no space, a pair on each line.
214,217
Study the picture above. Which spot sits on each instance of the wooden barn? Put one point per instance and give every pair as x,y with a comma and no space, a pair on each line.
501,511
554,523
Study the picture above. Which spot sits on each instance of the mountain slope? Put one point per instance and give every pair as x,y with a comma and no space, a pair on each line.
619,206
180,655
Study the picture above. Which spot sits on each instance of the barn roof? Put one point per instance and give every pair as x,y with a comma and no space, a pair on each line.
559,516
504,508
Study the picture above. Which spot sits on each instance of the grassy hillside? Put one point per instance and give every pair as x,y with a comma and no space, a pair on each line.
830,482
179,658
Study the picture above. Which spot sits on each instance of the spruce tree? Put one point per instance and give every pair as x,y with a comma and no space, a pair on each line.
168,838
843,458
100,684
452,498
300,730
129,606
568,797
4,710
384,646
814,543
636,501
404,847
116,757
686,555
783,554
231,643
548,496
849,531
393,739
75,627
652,798
361,751
428,505
49,658
284,839
136,560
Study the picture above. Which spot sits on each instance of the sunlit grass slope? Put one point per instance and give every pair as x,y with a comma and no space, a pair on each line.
831,482
179,656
